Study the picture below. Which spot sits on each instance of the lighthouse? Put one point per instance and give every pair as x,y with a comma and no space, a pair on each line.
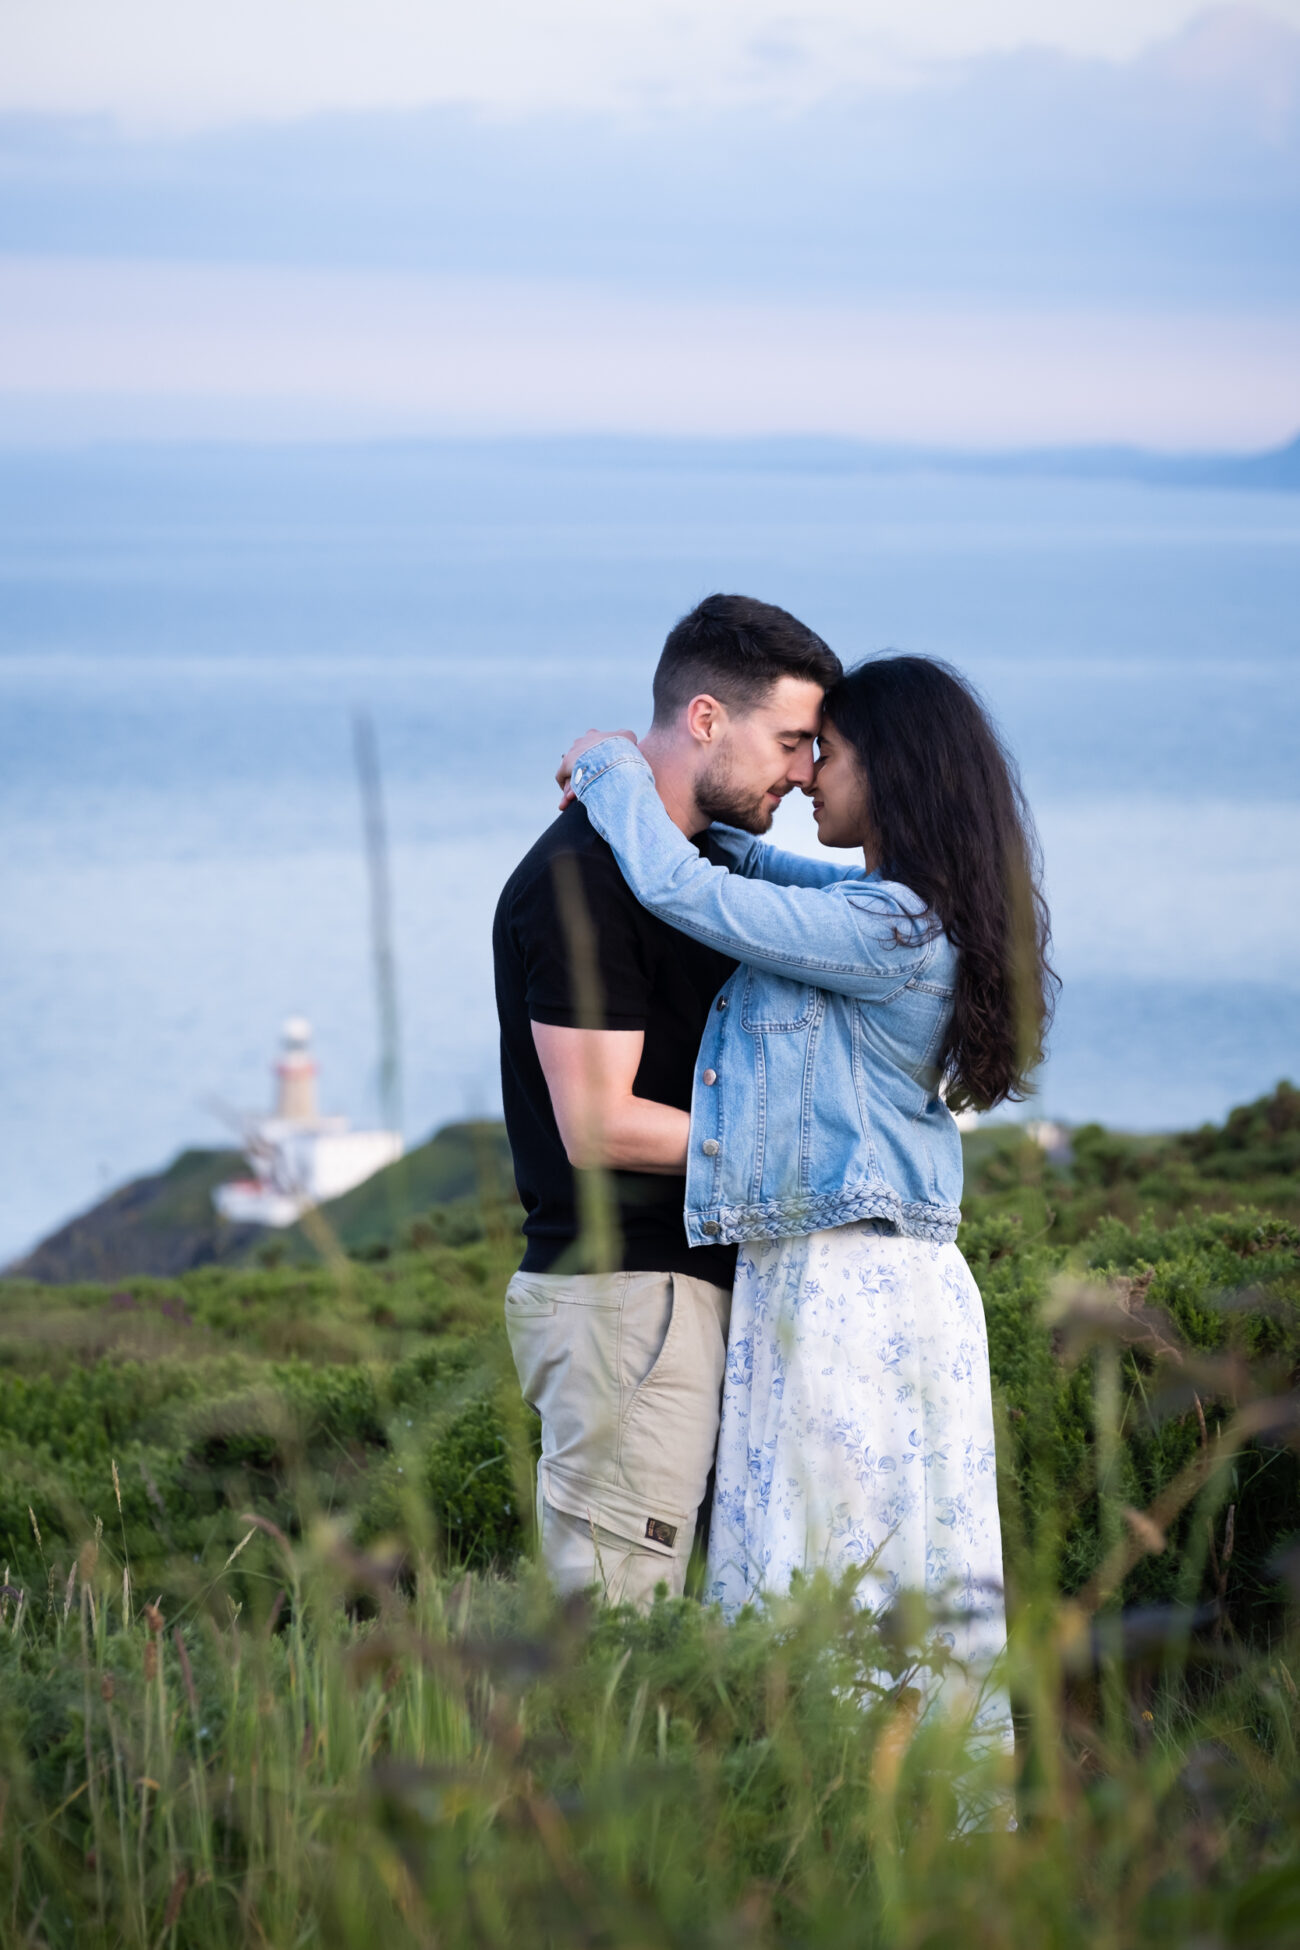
299,1158
295,1072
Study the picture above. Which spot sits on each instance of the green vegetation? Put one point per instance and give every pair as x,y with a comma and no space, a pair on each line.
160,1224
165,1224
442,1192
1253,1159
275,1667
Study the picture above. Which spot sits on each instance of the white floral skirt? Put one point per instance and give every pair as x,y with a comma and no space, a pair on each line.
857,1430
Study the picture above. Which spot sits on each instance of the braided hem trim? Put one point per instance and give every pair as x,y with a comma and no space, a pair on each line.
788,1218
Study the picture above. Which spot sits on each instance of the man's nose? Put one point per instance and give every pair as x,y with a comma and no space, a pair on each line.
800,768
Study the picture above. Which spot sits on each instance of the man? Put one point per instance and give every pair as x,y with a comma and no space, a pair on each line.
619,1329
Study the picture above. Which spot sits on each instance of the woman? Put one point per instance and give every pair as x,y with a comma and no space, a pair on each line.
857,1425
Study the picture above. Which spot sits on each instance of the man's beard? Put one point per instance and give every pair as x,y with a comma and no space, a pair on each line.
719,797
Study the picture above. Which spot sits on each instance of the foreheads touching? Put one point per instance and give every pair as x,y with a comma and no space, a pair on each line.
739,687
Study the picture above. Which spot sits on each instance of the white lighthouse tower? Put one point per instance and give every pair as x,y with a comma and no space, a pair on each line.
298,1157
295,1072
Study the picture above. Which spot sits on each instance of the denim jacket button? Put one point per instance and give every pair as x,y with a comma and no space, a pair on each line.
710,1076
710,1227
710,1147
722,1003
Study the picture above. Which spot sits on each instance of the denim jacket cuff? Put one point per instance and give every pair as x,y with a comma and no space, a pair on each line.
602,758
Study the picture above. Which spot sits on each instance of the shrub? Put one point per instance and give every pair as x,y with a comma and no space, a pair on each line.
472,1488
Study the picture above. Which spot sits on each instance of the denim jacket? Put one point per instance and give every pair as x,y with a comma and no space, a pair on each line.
816,1097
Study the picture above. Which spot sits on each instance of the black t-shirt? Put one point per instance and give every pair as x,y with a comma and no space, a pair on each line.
651,978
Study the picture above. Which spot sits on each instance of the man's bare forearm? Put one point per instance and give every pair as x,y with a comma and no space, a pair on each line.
589,1074
635,1135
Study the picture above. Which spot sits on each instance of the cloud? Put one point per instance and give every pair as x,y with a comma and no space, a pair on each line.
1017,246
182,63
1030,177
388,353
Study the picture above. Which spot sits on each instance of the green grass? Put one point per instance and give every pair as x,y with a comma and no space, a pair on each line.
275,1666
469,1767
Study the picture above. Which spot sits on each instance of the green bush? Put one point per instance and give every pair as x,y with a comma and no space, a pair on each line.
273,1390
471,1485
1226,1283
1252,1159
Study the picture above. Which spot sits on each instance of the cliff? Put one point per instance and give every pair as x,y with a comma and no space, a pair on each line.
164,1223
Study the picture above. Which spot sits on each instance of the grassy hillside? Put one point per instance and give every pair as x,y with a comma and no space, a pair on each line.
443,1188
274,1667
1251,1159
162,1223
165,1223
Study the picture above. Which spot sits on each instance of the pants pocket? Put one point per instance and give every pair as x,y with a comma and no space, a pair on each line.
647,1322
580,1554
531,1331
671,1424
528,1296
672,1365
564,1338
642,1519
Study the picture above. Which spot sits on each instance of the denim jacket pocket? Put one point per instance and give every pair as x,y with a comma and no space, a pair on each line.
773,1002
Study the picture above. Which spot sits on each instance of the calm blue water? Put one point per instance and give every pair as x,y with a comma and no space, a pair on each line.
184,634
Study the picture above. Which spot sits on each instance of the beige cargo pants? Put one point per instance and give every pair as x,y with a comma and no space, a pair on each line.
625,1370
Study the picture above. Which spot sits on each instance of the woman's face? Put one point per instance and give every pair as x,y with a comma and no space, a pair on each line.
839,793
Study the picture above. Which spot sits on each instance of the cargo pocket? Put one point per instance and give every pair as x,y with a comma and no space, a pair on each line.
631,1522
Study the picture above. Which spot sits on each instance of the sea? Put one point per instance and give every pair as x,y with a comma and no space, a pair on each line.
188,633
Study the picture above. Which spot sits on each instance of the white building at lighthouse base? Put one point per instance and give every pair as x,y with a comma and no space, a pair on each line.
299,1158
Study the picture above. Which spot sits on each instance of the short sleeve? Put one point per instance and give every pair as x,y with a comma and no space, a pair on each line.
608,915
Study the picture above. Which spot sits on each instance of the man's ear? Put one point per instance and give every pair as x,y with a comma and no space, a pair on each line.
705,718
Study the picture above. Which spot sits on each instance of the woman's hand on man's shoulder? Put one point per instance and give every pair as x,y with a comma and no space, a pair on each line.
564,771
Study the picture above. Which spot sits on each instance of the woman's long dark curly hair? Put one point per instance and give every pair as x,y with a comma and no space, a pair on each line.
949,820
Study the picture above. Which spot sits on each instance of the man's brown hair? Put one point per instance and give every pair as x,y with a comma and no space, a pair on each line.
735,649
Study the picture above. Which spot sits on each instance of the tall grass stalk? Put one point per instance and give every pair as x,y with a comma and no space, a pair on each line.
458,1761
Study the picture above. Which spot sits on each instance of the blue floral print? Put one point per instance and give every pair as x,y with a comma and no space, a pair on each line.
857,1429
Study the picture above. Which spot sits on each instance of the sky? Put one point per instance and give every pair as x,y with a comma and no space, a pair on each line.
991,223
185,62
